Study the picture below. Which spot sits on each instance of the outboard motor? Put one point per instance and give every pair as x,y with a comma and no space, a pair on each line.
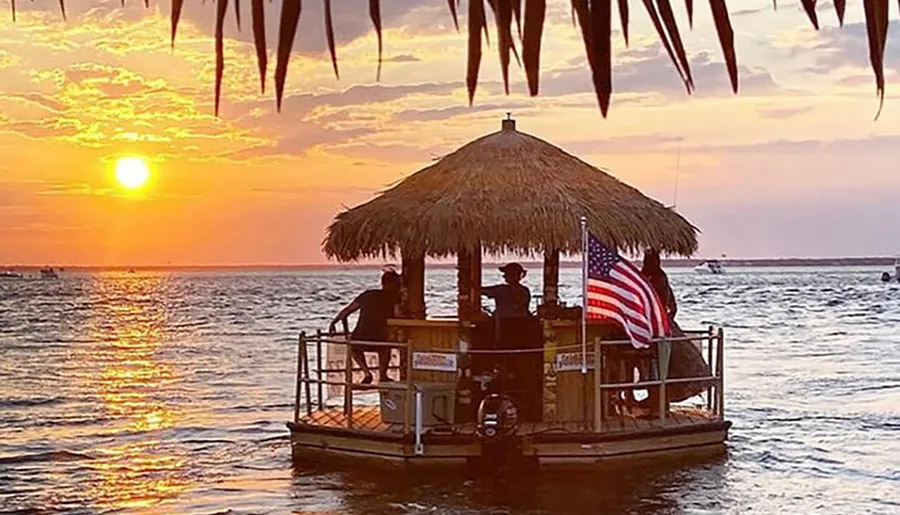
498,418
497,426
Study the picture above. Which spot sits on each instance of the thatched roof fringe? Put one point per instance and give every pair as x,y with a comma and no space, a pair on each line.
593,17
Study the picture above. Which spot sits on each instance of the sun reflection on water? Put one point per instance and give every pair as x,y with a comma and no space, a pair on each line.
134,384
138,475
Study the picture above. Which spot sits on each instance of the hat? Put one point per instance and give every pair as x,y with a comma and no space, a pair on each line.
512,268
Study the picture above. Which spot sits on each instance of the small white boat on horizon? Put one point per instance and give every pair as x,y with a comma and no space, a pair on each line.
9,274
711,266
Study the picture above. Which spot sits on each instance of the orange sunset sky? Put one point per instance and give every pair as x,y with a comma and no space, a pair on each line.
792,166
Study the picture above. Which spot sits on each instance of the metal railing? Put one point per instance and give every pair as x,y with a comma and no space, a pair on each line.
715,398
305,380
714,382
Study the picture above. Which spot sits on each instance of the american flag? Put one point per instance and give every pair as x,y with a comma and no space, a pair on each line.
617,291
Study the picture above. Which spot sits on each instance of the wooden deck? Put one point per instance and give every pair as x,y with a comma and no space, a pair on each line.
368,418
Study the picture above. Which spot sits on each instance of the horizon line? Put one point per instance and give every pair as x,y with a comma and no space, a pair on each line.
676,262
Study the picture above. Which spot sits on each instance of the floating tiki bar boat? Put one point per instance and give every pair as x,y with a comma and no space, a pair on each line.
476,388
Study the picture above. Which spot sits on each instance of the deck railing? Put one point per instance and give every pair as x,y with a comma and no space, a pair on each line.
712,339
305,380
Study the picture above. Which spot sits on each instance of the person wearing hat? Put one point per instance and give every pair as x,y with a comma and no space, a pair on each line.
512,299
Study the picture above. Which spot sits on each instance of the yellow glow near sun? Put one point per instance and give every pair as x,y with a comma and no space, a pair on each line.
132,172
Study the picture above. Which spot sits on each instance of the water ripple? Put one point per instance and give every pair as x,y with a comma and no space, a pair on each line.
167,393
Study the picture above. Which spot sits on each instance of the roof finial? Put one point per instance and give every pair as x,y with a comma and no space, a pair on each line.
508,124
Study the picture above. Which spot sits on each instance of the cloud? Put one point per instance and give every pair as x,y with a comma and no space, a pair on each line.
46,128
849,46
623,144
783,112
16,194
748,12
446,113
421,154
48,103
326,119
302,138
809,147
89,96
351,21
838,149
653,73
402,58
360,95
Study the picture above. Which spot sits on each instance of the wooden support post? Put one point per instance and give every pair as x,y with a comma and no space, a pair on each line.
663,398
599,395
463,280
551,277
550,381
710,338
319,375
413,279
407,422
475,281
304,349
299,377
348,385
720,372
468,279
662,391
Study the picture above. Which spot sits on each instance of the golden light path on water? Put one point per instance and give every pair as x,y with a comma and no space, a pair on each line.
131,381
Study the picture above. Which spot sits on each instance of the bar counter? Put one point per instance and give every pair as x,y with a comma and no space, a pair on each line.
563,385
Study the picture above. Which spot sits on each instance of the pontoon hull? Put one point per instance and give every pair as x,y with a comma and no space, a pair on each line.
544,450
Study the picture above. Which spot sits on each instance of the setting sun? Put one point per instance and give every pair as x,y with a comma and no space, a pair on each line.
132,172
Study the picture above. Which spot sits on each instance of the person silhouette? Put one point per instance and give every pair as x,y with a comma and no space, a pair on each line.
375,307
511,299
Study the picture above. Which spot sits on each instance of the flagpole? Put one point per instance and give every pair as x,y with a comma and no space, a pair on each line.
584,275
584,301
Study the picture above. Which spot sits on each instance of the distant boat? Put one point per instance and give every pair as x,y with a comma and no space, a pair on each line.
712,266
886,276
9,274
49,273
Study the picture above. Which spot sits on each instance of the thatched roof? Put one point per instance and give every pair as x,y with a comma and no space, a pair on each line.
594,18
510,192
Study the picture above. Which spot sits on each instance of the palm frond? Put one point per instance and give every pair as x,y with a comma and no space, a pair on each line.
592,16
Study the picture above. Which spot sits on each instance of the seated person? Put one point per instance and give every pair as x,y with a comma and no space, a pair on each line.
512,299
375,308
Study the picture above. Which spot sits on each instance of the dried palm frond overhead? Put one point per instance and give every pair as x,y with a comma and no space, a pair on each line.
506,192
594,18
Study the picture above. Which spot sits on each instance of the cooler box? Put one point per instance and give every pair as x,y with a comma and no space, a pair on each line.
438,401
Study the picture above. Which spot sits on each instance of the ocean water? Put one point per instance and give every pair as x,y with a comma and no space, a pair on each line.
168,393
